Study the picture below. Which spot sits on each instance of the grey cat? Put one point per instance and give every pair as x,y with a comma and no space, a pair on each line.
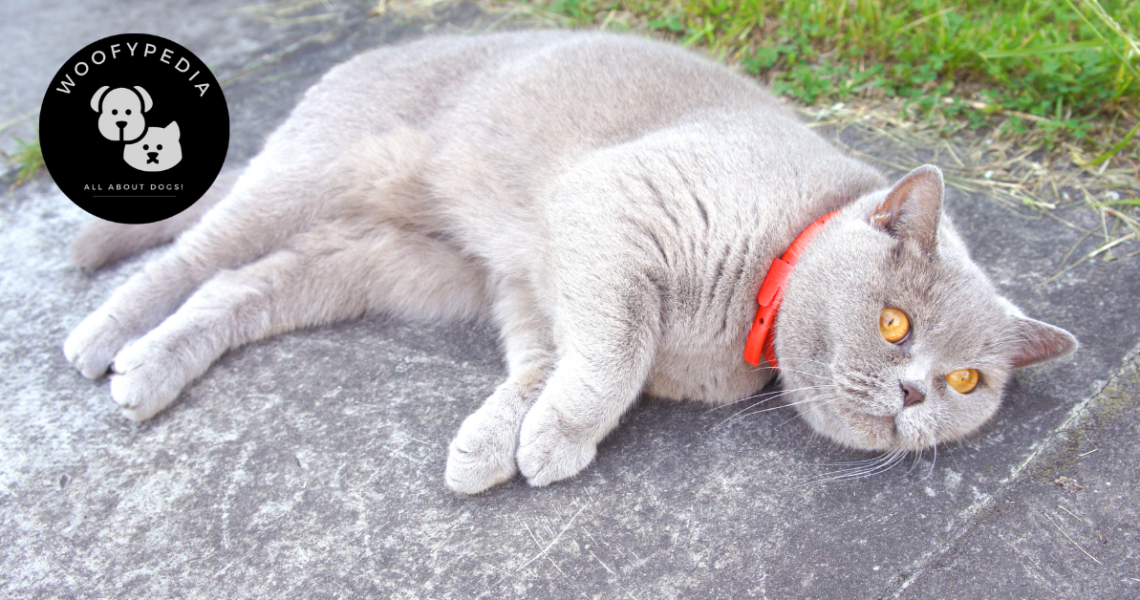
612,204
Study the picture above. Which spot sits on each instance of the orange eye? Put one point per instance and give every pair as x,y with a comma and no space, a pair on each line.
894,325
963,380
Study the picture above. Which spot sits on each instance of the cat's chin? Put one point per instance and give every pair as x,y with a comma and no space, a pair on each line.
876,431
861,430
867,431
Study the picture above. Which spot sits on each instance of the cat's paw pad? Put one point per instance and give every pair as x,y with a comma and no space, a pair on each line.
549,452
482,454
144,382
93,344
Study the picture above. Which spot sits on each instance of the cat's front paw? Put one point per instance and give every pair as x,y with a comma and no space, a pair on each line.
146,380
482,454
549,451
93,344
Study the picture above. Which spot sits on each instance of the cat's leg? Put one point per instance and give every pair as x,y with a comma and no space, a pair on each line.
327,274
273,200
135,307
232,234
608,338
483,452
103,242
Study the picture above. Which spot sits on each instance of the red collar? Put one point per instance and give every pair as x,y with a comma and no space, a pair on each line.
772,292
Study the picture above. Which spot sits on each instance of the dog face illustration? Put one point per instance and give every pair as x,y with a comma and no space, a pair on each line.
121,112
158,150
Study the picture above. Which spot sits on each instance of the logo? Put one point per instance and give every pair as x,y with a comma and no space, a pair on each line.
134,128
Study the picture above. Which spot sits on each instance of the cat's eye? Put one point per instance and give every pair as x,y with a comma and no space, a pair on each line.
963,380
894,325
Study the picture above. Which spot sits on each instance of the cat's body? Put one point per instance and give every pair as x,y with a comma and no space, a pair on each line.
611,203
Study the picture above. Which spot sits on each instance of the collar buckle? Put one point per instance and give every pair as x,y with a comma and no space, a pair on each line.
760,339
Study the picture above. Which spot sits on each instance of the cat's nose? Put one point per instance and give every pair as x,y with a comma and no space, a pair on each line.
911,395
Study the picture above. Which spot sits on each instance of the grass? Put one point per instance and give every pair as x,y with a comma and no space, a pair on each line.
1036,103
1053,72
28,158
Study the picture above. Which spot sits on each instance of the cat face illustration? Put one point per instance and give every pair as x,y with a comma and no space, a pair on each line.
158,150
121,112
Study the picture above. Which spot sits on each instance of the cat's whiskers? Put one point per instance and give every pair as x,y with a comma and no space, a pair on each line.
772,395
861,469
917,457
784,369
802,374
818,401
814,360
815,403
769,397
782,391
795,416
852,463
885,462
826,370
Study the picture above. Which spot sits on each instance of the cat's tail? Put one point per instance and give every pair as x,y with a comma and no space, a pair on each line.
103,242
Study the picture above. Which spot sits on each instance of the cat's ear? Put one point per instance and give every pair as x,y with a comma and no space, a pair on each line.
912,208
1035,341
172,129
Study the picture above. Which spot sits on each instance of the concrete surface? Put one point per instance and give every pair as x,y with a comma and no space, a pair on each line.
311,465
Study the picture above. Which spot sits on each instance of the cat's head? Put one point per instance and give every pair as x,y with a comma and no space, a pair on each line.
158,150
894,337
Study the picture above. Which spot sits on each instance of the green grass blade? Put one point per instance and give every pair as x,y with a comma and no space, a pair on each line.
1041,50
1113,150
29,158
1129,202
921,20
1107,20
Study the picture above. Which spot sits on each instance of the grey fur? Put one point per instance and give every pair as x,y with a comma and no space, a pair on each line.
103,242
612,204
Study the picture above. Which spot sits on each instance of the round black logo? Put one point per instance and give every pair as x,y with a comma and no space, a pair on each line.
134,128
